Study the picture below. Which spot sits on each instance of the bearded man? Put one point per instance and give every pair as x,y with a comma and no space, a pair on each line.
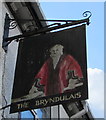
54,74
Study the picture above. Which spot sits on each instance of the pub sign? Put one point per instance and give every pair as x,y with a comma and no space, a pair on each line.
51,69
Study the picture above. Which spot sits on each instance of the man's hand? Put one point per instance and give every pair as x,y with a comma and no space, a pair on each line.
36,86
33,89
72,83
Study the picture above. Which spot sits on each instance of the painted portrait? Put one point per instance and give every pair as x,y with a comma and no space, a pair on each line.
50,65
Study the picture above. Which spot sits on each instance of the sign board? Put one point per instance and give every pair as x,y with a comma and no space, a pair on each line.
50,70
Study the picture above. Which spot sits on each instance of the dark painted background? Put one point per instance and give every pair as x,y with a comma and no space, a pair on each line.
33,52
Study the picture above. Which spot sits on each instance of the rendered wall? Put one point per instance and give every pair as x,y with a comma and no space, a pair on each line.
7,66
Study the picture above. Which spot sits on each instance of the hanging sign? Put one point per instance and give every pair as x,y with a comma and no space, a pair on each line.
51,69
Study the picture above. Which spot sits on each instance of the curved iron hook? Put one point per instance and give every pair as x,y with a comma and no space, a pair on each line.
87,14
13,24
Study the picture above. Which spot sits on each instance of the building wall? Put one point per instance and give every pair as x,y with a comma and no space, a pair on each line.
7,66
1,58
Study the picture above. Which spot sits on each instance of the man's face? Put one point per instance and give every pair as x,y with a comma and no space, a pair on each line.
56,51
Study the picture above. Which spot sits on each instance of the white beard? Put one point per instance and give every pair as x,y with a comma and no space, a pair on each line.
55,61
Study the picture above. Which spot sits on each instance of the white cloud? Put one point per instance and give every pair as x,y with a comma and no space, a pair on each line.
96,88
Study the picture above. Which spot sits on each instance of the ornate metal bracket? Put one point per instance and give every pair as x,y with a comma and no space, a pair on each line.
13,24
86,14
56,25
9,24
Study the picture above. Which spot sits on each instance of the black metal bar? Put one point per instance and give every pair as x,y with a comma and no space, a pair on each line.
6,33
58,112
34,114
86,14
45,20
5,107
52,25
50,113
43,30
60,20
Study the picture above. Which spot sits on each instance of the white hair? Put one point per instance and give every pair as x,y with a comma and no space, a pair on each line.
58,46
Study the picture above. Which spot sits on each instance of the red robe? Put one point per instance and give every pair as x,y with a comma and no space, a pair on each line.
55,80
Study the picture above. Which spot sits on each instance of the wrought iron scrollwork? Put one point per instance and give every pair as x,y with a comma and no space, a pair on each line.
56,25
13,24
87,14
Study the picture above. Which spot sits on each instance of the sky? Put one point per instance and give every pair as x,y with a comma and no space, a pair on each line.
95,43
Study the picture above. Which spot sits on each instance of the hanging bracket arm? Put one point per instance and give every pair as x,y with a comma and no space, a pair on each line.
43,30
68,23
